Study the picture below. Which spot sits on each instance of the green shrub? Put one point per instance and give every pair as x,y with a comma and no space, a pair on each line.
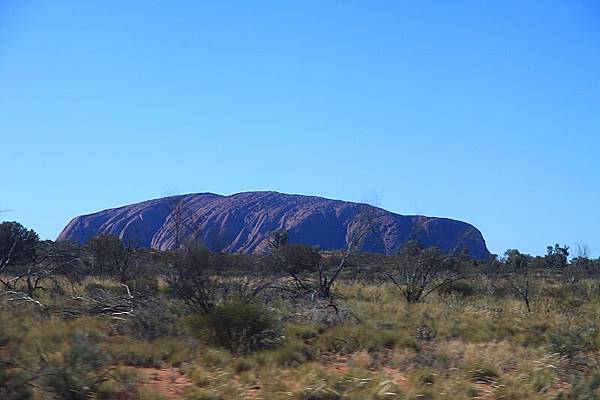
12,382
13,385
76,374
573,341
293,354
152,321
583,388
238,327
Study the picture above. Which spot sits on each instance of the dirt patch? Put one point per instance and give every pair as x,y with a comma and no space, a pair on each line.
167,382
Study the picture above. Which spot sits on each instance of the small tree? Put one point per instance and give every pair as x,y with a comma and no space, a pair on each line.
418,271
17,244
310,272
303,264
519,274
556,257
55,263
192,278
581,265
114,258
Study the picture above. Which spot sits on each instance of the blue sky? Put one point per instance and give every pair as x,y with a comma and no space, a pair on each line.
488,112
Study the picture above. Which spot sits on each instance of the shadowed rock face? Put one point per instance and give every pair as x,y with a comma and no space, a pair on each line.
242,222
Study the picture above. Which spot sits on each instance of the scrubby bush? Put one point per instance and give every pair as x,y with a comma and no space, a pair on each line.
78,373
13,384
12,381
153,320
418,272
583,388
192,277
293,354
17,244
573,341
238,327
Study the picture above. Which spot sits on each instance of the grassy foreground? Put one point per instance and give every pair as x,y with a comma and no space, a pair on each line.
470,340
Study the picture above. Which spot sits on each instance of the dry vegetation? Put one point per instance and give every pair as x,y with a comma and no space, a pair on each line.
198,326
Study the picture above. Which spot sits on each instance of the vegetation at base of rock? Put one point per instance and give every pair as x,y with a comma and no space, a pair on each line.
79,322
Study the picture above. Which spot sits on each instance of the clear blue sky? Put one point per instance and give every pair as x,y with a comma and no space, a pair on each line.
483,111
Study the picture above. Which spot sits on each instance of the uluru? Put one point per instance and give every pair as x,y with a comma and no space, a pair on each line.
242,222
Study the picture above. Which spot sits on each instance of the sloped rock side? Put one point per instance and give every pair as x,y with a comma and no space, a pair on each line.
242,222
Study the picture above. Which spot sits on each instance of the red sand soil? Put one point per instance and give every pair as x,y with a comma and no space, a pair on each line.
168,382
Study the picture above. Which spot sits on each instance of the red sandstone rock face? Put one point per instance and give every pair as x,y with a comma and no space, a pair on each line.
242,222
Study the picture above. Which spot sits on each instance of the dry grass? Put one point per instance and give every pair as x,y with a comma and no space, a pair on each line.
450,347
